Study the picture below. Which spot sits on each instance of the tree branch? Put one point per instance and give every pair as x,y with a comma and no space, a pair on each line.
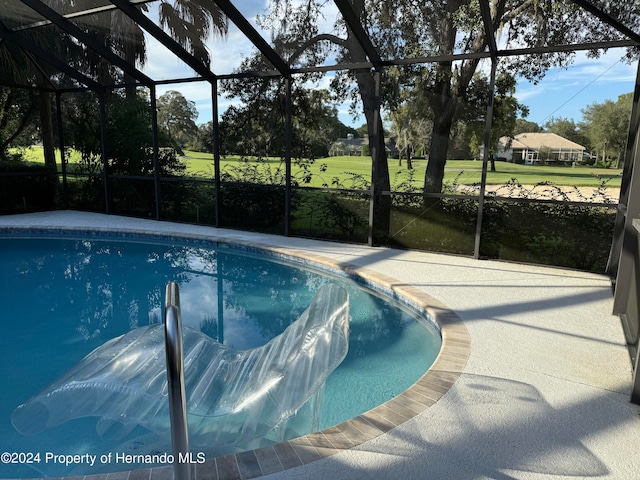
312,41
507,17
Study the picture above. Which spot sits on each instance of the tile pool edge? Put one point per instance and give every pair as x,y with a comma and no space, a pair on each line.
425,392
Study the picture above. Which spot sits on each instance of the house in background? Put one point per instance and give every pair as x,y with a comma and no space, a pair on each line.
348,146
539,148
357,146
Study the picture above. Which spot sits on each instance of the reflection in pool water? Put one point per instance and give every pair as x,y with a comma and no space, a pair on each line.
66,297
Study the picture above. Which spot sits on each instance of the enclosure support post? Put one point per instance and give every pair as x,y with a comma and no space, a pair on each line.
626,302
155,152
373,147
287,155
485,156
103,151
63,159
216,149
618,231
628,209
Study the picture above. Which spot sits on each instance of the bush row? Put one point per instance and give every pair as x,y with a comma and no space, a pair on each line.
561,234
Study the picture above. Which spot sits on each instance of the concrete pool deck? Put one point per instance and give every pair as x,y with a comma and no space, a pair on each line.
544,393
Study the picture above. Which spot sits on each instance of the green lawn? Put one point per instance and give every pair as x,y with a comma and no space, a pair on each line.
580,176
467,172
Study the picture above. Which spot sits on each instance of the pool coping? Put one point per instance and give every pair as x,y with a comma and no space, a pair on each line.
425,392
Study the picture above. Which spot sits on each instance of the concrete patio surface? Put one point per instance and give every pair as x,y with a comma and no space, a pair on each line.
544,394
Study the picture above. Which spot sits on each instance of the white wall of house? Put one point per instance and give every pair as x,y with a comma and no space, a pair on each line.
527,148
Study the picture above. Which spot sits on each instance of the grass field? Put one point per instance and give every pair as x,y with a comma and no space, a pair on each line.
467,172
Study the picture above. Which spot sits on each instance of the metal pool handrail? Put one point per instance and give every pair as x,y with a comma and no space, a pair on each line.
175,383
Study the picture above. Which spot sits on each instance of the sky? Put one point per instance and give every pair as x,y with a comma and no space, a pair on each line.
562,93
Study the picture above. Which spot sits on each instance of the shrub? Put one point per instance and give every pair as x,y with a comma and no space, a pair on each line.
26,188
574,236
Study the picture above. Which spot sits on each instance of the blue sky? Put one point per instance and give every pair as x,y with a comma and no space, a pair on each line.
562,93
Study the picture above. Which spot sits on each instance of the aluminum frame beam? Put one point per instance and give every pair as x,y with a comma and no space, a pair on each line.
254,37
608,19
623,201
489,29
80,14
354,24
156,32
485,156
205,73
32,49
284,69
84,38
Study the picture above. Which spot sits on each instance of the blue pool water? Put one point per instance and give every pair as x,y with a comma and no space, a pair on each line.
62,298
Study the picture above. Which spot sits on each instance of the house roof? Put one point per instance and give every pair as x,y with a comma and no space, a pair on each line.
353,142
535,141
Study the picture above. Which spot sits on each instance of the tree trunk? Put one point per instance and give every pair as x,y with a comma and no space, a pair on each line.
449,87
409,150
380,167
443,104
46,130
443,122
371,105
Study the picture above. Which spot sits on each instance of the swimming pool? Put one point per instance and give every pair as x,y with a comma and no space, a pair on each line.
125,281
